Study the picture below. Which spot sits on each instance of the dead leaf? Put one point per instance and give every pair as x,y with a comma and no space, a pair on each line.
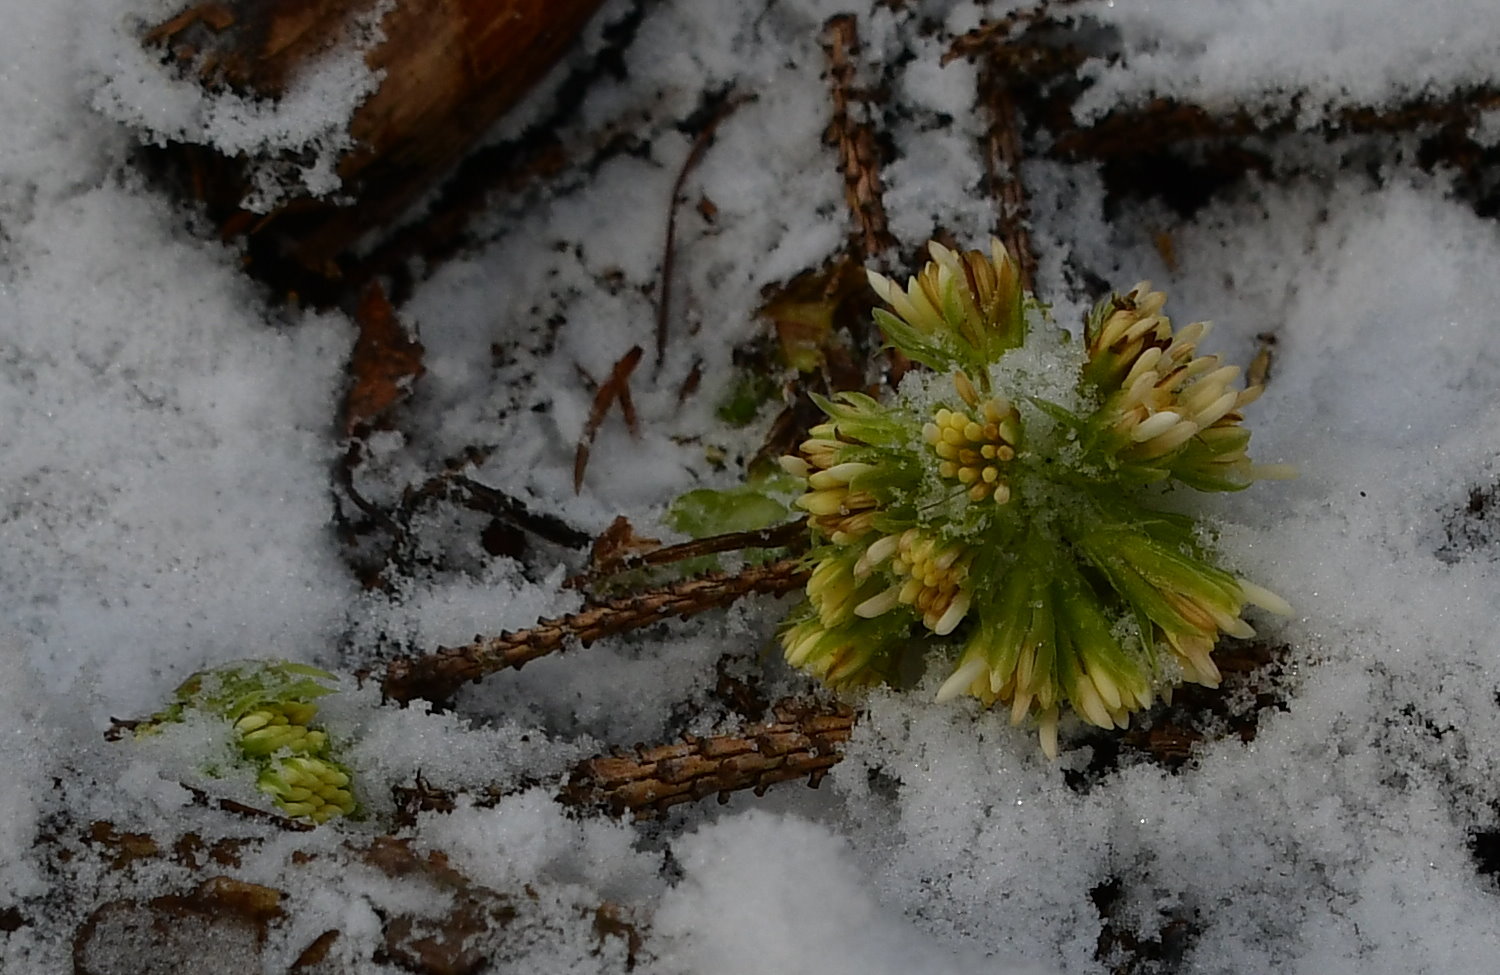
1259,372
385,364
618,542
810,309
216,16
455,943
1166,247
314,954
617,386
222,918
124,848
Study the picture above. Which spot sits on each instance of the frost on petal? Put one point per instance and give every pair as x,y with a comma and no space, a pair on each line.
1264,598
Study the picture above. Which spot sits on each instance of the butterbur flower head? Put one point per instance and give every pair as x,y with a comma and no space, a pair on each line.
308,787
1008,518
269,729
269,706
961,311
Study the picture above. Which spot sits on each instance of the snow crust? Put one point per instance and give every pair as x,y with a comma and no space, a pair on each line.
1224,54
298,136
168,442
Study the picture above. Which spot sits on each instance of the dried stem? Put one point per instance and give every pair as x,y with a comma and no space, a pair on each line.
669,248
436,676
616,387
1164,122
792,535
513,511
859,156
802,741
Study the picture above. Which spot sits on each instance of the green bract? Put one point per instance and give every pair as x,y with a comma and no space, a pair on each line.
1003,503
270,706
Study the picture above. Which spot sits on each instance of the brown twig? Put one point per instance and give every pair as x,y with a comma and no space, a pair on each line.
704,139
615,387
436,676
513,511
1164,122
792,535
802,742
450,485
1000,32
859,155
201,798
690,384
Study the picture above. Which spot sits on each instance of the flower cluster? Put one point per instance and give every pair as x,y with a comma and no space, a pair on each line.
1003,505
269,706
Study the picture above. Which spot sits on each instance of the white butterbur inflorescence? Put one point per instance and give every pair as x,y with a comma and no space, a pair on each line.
973,512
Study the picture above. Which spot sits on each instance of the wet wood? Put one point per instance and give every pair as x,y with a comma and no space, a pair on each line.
451,67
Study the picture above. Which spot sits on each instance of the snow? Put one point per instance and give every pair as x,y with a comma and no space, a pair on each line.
167,504
307,121
794,914
1225,54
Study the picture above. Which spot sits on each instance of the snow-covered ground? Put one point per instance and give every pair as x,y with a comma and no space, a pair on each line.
168,444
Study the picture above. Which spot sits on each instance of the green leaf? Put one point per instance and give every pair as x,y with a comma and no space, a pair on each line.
232,690
748,507
746,397
1059,413
916,345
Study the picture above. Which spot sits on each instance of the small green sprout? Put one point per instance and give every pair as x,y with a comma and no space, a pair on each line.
746,397
269,705
1005,503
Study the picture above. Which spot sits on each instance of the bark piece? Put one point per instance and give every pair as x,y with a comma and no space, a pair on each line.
386,361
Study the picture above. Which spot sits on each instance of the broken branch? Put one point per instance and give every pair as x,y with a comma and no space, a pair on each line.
436,676
788,535
802,742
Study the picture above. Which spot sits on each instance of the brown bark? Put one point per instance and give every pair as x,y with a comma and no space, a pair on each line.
451,68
